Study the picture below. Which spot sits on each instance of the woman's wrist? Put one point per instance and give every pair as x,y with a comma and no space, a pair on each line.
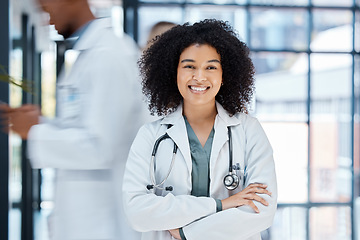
218,205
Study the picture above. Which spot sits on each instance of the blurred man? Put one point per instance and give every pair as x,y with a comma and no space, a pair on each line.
99,111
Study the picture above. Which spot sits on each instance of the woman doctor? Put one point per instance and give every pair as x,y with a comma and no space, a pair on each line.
212,175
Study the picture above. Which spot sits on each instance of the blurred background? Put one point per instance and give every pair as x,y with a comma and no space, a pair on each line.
307,59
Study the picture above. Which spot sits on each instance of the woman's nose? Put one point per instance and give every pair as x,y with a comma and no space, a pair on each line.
199,75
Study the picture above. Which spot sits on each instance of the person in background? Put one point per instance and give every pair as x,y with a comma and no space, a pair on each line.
98,114
206,169
156,30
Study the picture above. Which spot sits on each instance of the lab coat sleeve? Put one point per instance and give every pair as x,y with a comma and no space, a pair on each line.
243,222
147,211
107,82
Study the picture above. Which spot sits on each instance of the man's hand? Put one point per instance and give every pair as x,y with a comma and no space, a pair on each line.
4,119
19,120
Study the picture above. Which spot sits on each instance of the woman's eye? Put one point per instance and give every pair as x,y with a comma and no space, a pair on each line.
189,66
211,67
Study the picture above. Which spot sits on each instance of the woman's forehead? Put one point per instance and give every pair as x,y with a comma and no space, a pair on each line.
200,49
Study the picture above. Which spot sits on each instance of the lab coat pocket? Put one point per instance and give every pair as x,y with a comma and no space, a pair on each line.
69,103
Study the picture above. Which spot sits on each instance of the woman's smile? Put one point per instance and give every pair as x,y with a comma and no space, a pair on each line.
198,89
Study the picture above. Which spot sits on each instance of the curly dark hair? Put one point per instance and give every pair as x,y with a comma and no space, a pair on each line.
158,66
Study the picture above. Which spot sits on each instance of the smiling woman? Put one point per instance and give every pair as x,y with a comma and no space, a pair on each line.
220,182
237,68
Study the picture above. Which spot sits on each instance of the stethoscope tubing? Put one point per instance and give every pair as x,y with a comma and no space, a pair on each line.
152,165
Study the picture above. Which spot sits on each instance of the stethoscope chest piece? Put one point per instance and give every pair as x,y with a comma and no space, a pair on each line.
231,181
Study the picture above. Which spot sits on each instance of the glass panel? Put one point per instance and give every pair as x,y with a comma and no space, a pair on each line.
279,29
342,3
357,129
218,1
15,172
331,127
48,82
330,185
15,98
15,71
48,76
289,143
235,16
330,223
266,62
357,147
281,86
280,2
14,224
289,223
332,30
149,16
41,224
197,13
357,32
168,1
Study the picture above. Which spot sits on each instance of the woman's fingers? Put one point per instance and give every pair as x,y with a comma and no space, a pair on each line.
247,197
253,206
257,188
250,194
255,197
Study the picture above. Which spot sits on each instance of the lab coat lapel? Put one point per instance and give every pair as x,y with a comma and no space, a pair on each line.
179,135
220,138
222,121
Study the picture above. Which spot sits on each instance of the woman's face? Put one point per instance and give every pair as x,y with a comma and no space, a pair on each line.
199,74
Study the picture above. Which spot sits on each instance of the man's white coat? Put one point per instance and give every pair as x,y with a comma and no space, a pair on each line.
99,112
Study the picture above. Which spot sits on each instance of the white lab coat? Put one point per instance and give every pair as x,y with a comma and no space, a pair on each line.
99,112
154,212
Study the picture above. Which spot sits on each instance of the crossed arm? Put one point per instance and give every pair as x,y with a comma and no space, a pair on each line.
245,197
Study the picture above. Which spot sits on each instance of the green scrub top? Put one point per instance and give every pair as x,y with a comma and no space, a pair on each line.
200,162
200,157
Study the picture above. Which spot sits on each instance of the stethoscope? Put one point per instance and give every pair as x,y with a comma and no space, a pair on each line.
231,180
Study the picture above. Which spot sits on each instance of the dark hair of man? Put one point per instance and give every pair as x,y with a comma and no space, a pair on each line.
158,66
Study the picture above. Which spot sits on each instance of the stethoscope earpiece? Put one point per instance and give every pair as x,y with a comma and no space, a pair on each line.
168,188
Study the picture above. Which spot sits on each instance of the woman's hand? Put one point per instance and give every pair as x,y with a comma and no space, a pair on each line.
247,197
175,233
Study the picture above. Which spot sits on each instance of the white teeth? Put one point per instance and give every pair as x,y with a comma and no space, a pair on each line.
198,88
